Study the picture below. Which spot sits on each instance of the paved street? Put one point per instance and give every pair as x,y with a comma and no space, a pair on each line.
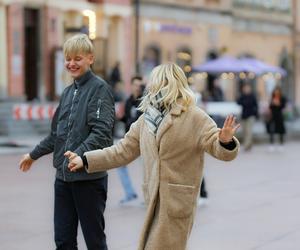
254,204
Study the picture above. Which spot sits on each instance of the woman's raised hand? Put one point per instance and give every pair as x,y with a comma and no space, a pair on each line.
229,128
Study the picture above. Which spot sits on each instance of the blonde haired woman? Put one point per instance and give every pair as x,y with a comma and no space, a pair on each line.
171,136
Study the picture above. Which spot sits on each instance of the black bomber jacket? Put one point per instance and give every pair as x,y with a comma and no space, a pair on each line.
82,122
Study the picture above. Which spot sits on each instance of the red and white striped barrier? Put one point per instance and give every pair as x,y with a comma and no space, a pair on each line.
46,111
33,111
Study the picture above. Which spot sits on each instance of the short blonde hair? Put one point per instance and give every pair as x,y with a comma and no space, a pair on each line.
78,44
170,80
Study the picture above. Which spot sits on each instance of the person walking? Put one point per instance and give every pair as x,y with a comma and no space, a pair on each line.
276,122
203,196
248,102
131,115
115,75
82,122
171,136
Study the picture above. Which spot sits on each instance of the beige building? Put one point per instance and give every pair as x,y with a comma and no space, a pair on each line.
32,34
187,31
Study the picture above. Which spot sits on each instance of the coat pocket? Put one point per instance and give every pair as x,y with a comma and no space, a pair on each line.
180,200
146,193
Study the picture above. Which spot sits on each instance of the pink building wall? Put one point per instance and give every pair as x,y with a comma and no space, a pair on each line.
129,67
15,54
51,40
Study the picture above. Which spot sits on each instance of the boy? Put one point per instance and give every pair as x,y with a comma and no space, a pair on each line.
83,121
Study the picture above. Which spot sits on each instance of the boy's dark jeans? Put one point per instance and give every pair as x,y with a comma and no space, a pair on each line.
82,201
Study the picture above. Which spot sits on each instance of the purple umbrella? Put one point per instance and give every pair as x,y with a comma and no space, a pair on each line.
231,64
263,67
225,64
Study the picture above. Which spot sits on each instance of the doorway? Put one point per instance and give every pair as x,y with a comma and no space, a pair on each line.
32,47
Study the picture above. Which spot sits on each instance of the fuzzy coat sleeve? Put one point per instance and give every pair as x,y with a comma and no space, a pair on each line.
125,151
209,140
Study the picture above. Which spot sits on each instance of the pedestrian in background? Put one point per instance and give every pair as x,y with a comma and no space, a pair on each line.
203,197
171,136
115,75
276,122
131,115
83,121
214,93
248,102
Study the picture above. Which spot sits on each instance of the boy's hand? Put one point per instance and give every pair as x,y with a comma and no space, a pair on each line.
75,161
70,155
25,163
228,130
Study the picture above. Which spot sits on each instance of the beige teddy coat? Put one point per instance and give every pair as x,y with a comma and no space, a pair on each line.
173,162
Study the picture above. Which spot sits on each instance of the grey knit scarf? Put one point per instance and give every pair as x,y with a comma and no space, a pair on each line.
155,113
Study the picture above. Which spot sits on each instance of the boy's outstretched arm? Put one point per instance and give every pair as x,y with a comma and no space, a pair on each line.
25,163
46,146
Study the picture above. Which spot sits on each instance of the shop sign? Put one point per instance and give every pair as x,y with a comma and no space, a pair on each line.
176,29
170,28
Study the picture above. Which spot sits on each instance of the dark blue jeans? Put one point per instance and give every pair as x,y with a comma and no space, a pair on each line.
82,201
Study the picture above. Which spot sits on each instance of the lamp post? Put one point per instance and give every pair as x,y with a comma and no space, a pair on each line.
137,34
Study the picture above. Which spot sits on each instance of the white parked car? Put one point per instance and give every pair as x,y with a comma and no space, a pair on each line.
222,108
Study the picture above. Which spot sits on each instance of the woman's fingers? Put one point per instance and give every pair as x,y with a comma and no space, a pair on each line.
226,122
73,167
233,122
230,122
236,127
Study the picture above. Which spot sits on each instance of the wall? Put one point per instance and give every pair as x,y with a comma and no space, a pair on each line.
15,42
3,53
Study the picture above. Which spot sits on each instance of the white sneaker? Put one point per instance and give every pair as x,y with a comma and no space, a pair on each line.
280,148
271,149
202,202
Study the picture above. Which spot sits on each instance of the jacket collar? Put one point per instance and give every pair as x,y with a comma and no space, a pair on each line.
83,79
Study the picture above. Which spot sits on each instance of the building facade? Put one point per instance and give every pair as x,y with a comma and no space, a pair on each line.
32,34
185,31
188,32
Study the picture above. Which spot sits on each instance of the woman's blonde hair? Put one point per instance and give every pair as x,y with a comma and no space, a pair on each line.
78,44
170,80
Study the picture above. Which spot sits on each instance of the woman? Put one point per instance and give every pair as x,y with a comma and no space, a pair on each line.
171,136
276,123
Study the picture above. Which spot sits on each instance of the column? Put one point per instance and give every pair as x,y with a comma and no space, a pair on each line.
15,50
3,53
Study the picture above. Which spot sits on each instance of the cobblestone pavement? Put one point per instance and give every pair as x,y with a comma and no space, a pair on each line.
254,204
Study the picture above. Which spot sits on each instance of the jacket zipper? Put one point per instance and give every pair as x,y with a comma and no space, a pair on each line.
98,108
69,124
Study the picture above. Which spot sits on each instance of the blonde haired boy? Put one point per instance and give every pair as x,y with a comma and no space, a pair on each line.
82,122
